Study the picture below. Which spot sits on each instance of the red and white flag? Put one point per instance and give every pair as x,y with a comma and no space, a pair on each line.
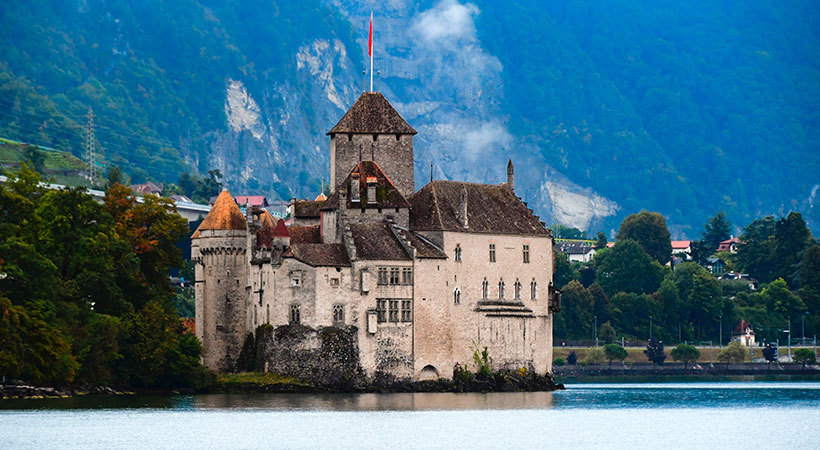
370,38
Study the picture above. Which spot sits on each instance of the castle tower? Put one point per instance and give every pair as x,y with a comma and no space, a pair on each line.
372,130
220,248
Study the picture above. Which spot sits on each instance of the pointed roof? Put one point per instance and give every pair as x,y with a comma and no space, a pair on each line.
490,209
224,215
372,113
387,195
266,219
281,229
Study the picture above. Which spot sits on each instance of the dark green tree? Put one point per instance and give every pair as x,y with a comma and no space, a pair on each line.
600,240
603,308
607,333
564,271
655,352
626,267
577,308
770,353
781,300
756,251
716,230
804,356
615,352
649,230
791,238
686,353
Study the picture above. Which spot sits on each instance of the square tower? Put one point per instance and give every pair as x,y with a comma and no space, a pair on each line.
372,130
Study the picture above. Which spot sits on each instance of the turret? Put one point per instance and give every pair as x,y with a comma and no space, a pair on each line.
372,130
510,176
220,248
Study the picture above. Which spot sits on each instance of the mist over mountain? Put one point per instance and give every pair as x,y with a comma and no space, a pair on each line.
606,108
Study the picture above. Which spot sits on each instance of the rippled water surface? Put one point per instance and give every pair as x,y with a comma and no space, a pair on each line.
680,415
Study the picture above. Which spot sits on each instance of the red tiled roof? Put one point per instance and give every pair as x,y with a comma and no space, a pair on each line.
252,200
305,234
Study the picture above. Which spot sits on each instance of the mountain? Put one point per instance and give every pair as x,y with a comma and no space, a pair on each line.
606,108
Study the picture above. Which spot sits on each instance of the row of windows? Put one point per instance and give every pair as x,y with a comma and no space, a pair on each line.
387,310
502,287
395,276
525,253
296,314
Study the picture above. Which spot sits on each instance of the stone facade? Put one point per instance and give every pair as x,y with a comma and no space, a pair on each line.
416,283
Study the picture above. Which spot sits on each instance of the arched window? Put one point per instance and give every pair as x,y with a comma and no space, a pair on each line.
517,289
457,253
485,289
457,296
533,289
295,314
501,289
338,314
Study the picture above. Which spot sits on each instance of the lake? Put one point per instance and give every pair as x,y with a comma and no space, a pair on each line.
663,415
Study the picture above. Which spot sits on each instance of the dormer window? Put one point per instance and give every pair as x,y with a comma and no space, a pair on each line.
371,190
354,188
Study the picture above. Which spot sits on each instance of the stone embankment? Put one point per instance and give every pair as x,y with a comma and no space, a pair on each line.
12,391
679,370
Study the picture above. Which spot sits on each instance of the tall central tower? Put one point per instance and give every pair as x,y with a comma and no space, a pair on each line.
372,130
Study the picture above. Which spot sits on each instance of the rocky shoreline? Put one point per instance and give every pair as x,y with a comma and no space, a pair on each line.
494,382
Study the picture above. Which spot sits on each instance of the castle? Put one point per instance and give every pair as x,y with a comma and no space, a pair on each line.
419,280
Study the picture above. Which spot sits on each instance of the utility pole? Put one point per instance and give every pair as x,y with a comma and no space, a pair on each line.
595,331
91,173
720,343
790,338
650,328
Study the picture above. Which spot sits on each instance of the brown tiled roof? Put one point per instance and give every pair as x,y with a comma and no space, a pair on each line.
372,113
319,254
490,209
305,235
266,219
224,215
424,248
377,241
307,209
387,196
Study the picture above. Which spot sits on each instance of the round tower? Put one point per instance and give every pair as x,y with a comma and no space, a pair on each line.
220,249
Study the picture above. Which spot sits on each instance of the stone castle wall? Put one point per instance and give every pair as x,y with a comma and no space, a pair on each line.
393,153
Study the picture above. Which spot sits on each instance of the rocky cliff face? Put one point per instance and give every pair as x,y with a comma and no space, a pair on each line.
437,74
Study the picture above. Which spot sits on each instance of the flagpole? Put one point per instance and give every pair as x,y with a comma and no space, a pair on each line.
371,51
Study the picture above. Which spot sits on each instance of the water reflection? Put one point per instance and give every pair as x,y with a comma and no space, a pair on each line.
376,402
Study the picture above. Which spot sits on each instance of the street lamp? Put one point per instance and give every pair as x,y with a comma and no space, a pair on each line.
650,328
595,330
720,342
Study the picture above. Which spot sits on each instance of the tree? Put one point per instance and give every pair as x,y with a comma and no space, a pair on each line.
805,356
754,255
655,352
615,352
564,272
732,353
770,353
649,230
600,241
626,267
780,299
561,231
701,251
115,176
35,157
607,333
572,358
603,308
577,308
810,279
716,230
686,353
791,238
594,356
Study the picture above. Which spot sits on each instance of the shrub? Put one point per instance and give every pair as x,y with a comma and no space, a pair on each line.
615,351
572,358
686,353
595,356
559,362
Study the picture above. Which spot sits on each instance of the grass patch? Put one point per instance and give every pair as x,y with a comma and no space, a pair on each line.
257,378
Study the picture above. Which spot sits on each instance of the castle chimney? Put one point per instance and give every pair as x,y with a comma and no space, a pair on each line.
462,210
510,176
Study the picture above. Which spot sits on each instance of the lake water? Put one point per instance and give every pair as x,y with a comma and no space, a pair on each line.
629,416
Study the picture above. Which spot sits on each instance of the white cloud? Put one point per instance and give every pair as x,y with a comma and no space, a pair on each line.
446,24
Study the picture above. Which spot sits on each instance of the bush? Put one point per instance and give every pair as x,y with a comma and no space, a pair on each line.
733,353
615,351
595,356
572,358
805,356
559,362
686,353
